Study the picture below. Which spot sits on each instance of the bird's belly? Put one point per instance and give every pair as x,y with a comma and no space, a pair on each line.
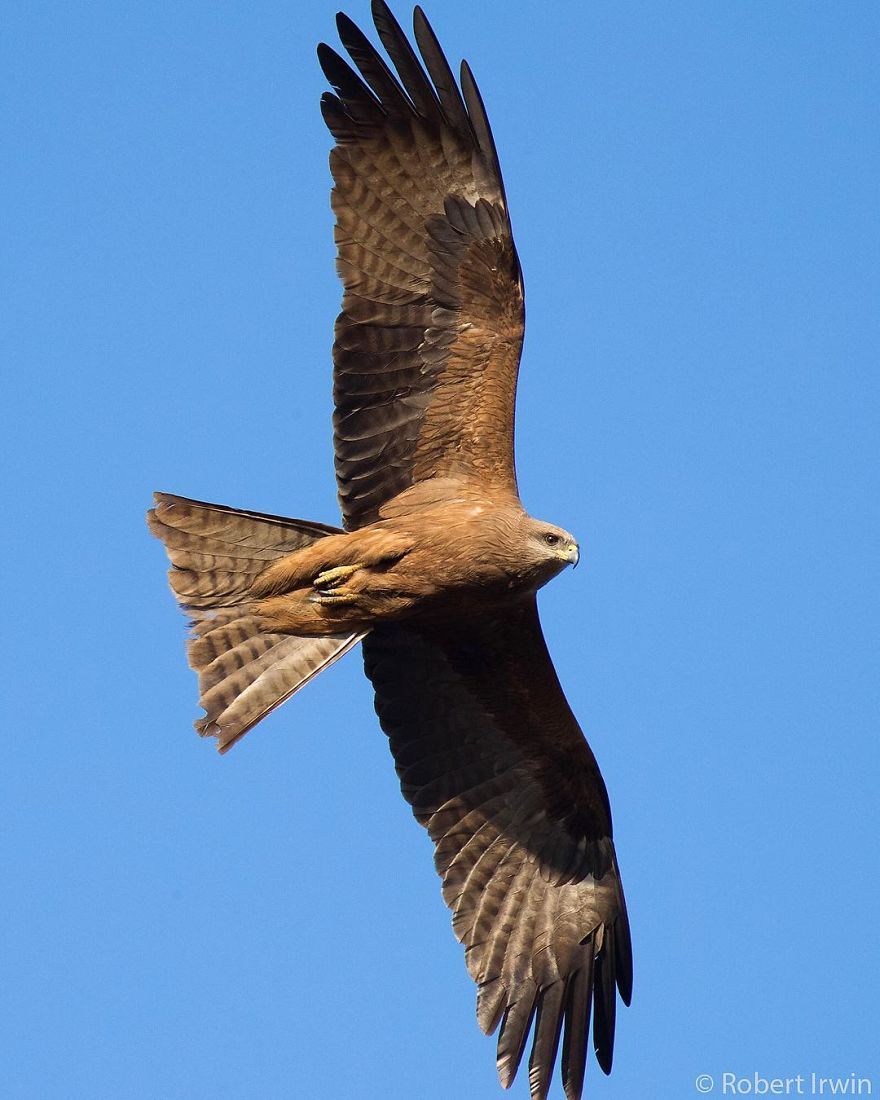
451,588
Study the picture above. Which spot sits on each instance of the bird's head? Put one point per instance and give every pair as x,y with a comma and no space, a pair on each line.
552,547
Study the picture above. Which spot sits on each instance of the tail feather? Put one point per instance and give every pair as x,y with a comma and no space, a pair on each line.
206,588
244,650
245,670
214,636
239,701
193,530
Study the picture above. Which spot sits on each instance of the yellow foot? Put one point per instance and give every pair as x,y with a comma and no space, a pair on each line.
332,578
337,598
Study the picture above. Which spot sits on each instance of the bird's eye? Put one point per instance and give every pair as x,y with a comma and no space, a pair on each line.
551,539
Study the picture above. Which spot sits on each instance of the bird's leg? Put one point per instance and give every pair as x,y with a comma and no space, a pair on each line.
332,578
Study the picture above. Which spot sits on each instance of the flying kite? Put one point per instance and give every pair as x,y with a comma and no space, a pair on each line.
437,565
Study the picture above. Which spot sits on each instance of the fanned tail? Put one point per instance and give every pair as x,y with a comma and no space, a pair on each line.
244,670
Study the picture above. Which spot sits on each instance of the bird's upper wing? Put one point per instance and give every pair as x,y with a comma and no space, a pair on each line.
428,342
495,766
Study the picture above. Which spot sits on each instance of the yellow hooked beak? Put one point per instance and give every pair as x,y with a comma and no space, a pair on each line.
572,553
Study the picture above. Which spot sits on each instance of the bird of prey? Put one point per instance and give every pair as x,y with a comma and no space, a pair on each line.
436,567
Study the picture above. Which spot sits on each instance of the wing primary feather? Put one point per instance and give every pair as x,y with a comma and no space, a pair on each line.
490,1004
604,1002
440,72
577,1026
372,67
548,1025
623,953
402,55
357,97
480,122
514,1032
333,113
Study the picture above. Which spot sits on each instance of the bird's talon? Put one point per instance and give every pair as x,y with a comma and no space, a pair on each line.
331,578
335,599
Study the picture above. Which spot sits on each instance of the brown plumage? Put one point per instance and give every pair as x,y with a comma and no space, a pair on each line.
438,564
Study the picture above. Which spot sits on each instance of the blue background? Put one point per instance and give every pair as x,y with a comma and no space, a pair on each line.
693,189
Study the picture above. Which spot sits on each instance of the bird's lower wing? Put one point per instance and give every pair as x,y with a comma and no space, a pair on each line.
496,768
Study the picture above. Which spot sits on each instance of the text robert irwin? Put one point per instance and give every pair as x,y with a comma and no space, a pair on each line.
800,1084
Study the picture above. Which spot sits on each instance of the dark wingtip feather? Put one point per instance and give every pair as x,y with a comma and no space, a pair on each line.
355,94
623,955
480,123
372,67
545,1045
579,1001
515,1025
604,1003
438,69
410,71
332,64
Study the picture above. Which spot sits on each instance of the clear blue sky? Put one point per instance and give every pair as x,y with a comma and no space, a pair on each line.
693,189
